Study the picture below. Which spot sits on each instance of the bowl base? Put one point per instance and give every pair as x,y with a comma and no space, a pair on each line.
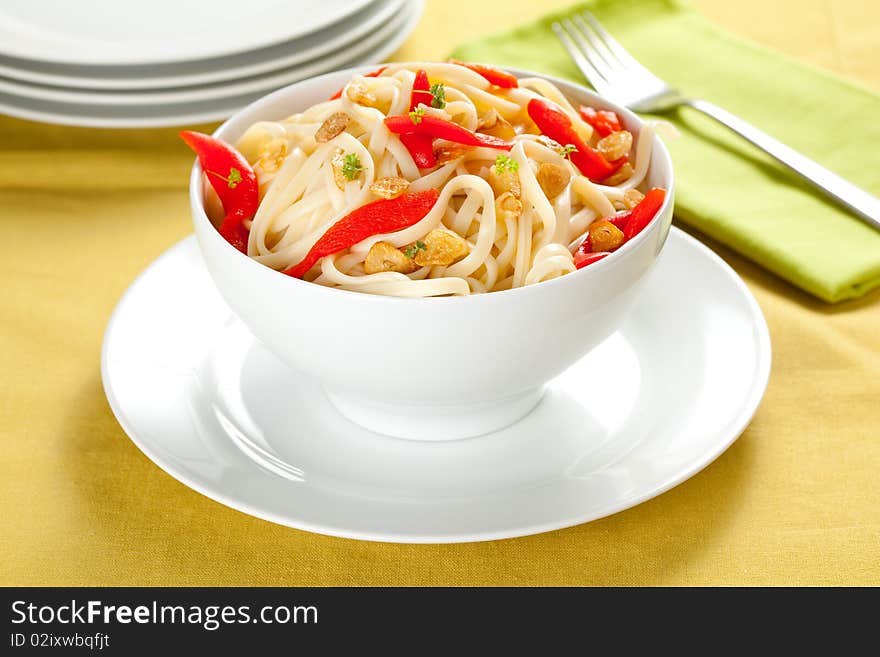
436,421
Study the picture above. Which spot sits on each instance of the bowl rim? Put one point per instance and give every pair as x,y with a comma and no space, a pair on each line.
196,182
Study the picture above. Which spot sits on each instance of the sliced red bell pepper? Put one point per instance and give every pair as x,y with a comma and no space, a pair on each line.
621,219
554,123
374,74
632,222
382,216
233,179
233,230
603,121
438,128
421,91
583,257
421,148
494,75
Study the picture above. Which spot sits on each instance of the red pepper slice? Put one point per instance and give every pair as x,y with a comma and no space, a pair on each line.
621,219
421,147
632,222
421,91
374,74
554,123
234,231
603,121
232,178
382,216
438,128
494,75
582,257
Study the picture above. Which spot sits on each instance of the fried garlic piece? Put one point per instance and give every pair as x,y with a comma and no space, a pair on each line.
616,145
441,247
358,93
272,154
621,175
552,178
507,206
387,257
604,235
337,162
632,198
505,181
492,123
389,187
333,126
447,154
552,144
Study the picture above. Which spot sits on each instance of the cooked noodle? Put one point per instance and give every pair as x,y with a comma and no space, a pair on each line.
302,194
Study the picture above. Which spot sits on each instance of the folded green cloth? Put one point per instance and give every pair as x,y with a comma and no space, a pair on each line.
725,187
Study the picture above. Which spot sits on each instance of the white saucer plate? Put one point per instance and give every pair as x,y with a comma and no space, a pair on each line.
68,80
647,409
219,101
109,32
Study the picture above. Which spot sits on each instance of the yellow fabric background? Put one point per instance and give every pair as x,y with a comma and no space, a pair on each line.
794,501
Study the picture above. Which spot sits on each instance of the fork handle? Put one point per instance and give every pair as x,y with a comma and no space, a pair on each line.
860,202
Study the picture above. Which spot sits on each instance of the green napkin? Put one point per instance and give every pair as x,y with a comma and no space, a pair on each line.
724,186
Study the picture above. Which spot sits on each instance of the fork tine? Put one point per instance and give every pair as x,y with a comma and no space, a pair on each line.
581,54
614,65
582,62
613,45
587,49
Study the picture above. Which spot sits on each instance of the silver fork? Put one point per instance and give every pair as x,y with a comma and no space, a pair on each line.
616,74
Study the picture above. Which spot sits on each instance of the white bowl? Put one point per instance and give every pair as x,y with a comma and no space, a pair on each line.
434,368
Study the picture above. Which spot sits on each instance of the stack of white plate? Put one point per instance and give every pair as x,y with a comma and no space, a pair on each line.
145,63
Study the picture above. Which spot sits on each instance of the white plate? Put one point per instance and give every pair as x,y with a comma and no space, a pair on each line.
110,32
203,111
259,84
648,408
207,71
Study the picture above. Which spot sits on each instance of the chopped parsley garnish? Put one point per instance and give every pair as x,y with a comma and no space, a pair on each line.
351,166
416,115
232,179
412,249
568,149
505,163
438,91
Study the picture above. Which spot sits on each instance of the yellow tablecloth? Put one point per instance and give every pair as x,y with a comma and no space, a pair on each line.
794,501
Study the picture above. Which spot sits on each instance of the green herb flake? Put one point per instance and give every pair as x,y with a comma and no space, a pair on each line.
505,163
412,249
351,166
416,115
438,91
234,178
568,149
